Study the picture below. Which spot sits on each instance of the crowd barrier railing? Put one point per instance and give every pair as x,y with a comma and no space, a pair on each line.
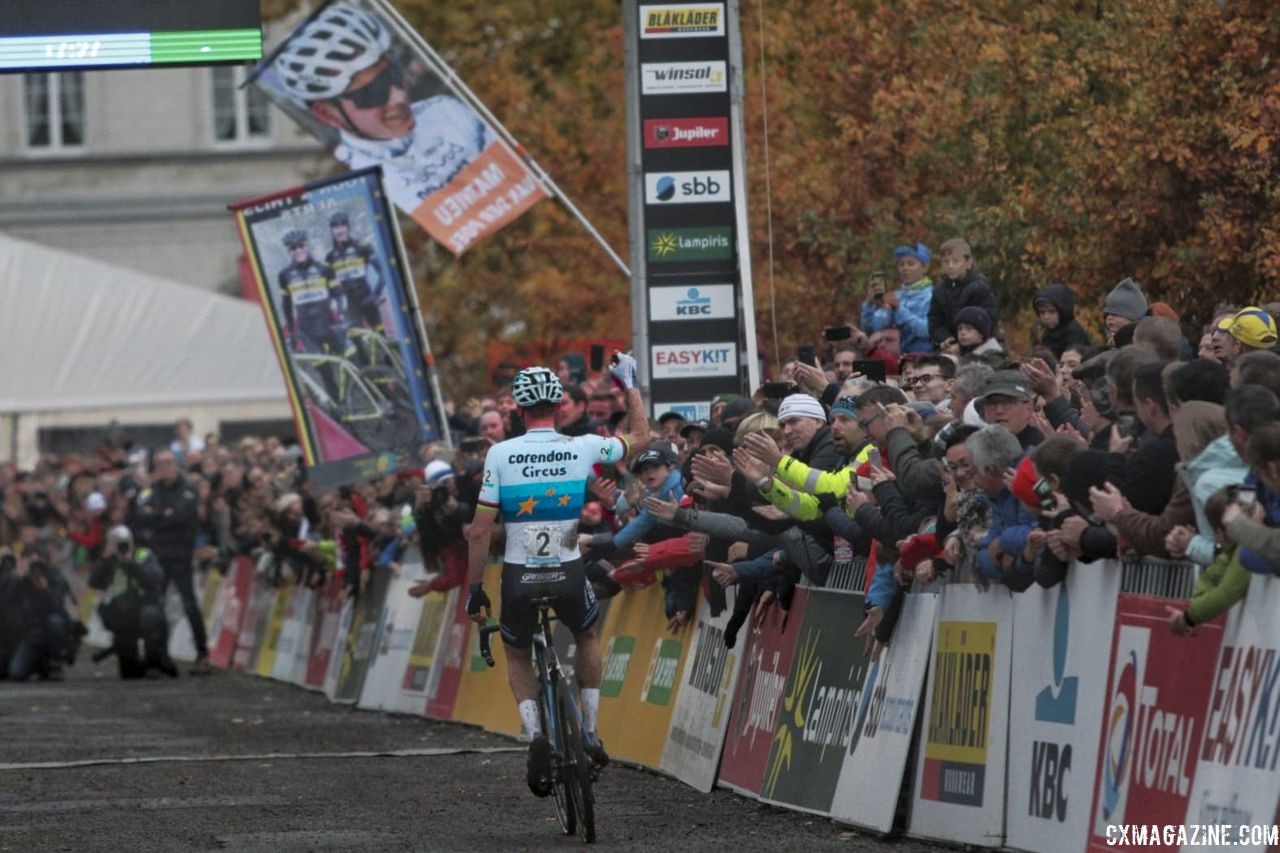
1033,720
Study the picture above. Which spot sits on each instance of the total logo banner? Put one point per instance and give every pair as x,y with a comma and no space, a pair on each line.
683,78
686,187
682,21
695,361
686,132
704,302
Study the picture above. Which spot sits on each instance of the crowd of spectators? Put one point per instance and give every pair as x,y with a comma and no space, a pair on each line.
915,440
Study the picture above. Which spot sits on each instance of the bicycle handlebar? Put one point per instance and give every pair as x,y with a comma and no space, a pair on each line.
485,651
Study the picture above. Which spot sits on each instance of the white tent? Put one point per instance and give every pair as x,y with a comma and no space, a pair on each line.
83,343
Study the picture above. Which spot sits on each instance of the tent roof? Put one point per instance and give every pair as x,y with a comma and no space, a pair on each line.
77,333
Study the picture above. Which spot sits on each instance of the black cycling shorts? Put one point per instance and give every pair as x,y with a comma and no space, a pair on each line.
575,600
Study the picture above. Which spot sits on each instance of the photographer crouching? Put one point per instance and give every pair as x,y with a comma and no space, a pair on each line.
132,606
37,635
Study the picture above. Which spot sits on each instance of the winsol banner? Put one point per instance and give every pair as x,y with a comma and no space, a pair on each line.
876,759
362,637
450,657
229,610
960,777
1153,715
757,702
701,715
1055,711
819,704
643,663
1236,778
324,633
357,77
340,310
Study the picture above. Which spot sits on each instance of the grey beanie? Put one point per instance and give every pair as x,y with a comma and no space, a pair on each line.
1126,300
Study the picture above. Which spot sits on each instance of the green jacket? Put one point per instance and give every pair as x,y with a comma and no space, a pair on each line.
1224,582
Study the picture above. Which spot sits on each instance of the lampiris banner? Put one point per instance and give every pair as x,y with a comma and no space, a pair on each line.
350,78
340,313
688,210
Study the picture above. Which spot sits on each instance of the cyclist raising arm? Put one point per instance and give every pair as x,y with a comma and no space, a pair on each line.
539,481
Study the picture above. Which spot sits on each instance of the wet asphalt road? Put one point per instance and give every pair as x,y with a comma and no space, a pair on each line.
251,786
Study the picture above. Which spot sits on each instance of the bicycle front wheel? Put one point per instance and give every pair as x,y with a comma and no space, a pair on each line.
576,766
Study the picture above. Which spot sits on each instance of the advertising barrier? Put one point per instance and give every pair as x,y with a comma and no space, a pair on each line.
1236,782
229,610
337,654
360,642
401,624
1055,711
757,704
700,717
254,625
483,696
291,647
1153,716
324,633
875,762
643,662
819,704
265,663
450,658
960,777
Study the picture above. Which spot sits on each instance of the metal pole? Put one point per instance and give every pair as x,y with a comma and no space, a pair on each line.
635,196
738,138
504,136
433,375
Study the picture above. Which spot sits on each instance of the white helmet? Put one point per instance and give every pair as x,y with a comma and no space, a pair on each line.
318,62
535,385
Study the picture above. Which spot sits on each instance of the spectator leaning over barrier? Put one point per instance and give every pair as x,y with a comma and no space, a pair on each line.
1003,553
1256,526
961,286
1224,582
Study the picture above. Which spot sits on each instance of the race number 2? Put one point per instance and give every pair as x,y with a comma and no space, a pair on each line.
542,545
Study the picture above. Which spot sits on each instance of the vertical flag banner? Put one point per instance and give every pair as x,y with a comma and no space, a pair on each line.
348,78
339,310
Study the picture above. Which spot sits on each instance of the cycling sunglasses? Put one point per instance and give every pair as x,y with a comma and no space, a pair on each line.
377,91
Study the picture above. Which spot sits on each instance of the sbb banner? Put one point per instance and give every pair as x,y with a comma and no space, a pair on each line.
1236,778
1055,713
757,704
819,704
960,777
1153,716
701,715
876,759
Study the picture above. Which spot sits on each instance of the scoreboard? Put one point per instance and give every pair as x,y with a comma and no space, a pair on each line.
51,35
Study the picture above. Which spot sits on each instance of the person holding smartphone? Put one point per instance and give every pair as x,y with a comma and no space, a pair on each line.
906,308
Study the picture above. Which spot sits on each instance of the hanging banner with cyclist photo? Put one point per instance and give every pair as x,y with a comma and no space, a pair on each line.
357,77
355,359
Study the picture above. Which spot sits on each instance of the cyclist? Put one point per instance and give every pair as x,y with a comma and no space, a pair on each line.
339,67
538,481
309,301
356,270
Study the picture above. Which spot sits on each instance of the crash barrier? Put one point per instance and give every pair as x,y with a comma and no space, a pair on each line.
1033,720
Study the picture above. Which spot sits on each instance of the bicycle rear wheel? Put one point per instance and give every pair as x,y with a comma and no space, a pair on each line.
564,803
576,766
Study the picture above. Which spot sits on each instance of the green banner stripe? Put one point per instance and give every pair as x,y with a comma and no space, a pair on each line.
206,46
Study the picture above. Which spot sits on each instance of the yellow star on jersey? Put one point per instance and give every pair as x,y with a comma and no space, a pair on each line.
526,507
564,500
551,493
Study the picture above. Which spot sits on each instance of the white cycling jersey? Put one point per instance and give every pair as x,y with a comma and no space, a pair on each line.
539,481
447,136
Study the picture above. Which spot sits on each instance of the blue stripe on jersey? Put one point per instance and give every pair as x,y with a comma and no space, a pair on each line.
560,501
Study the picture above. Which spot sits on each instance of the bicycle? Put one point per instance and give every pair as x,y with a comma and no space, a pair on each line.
573,772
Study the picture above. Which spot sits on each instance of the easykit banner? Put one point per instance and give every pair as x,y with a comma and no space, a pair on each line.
350,78
876,759
400,622
757,703
292,635
701,714
1055,711
324,633
483,696
1236,779
1153,717
450,658
642,667
819,704
362,637
265,665
336,293
229,610
960,777
254,626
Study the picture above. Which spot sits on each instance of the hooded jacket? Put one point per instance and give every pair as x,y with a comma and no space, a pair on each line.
950,295
1216,466
911,318
1068,332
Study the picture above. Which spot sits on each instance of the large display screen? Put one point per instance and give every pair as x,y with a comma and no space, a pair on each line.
38,35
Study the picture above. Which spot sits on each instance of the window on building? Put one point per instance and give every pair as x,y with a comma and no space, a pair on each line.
55,110
239,114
